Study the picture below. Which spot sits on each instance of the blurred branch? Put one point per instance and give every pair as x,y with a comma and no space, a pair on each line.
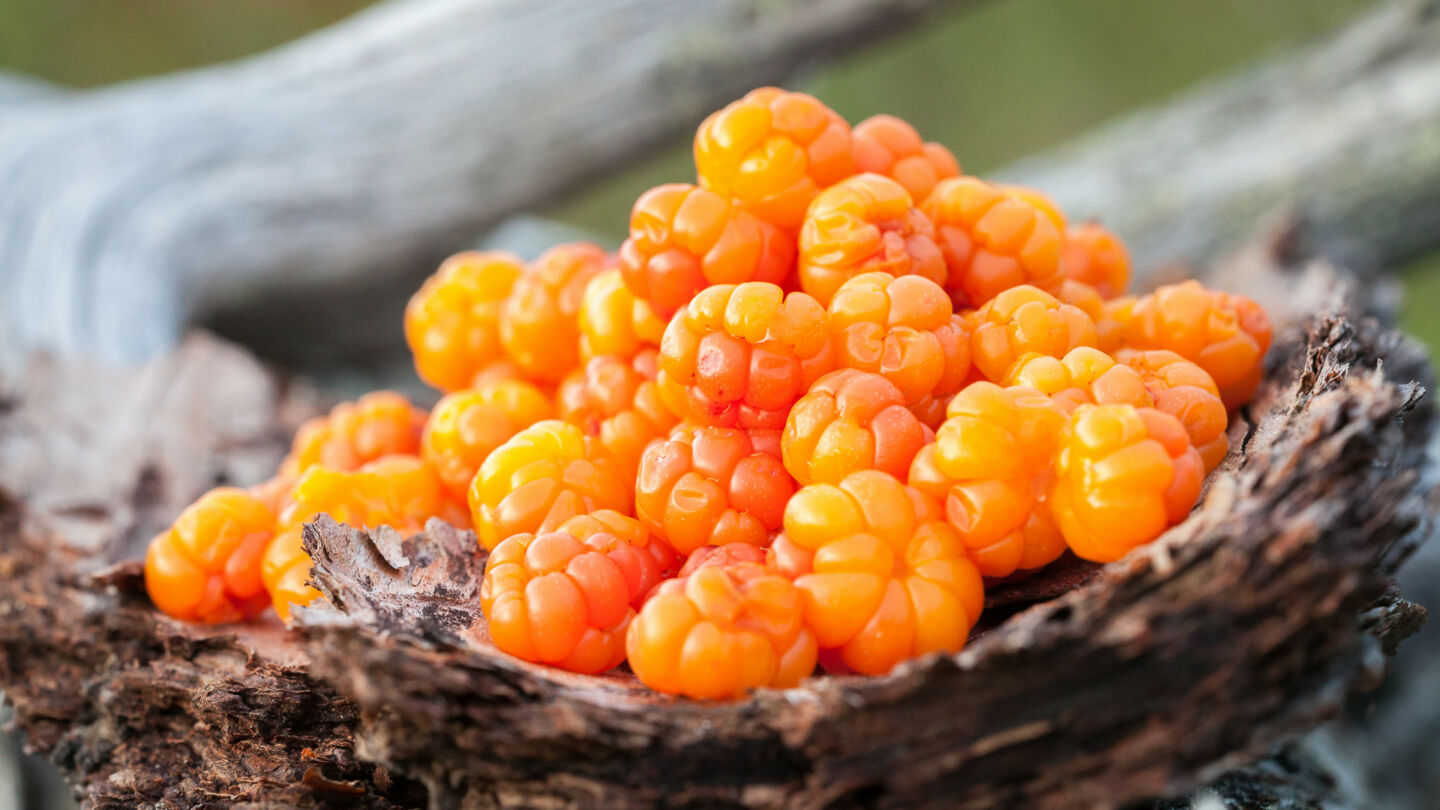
361,152
1346,131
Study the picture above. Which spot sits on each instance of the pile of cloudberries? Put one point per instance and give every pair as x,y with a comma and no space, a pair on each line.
817,401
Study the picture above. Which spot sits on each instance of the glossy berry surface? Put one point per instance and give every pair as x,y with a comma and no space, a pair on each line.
398,491
1185,391
902,329
726,555
285,570
741,355
1095,256
540,320
614,321
453,323
883,579
684,238
713,486
1020,321
989,467
866,223
619,403
543,476
1084,376
773,151
884,144
992,240
206,566
466,425
721,631
850,421
1122,476
1225,334
378,424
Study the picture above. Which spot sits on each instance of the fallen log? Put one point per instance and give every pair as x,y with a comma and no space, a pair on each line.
1247,624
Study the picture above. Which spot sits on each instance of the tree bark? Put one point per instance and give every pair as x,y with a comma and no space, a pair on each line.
1088,687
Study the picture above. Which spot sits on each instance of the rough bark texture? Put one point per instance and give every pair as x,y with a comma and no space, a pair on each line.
1250,622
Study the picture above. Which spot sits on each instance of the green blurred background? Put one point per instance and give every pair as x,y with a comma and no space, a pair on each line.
993,81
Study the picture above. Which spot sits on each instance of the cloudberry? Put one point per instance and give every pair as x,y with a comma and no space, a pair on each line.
726,555
684,238
862,224
902,329
541,477
1042,202
884,144
398,491
740,355
720,632
378,424
1095,256
992,240
555,599
773,151
1225,334
882,578
613,321
539,322
619,403
644,559
989,466
1186,392
206,567
1019,321
712,486
1084,376
285,570
453,323
1122,476
851,420
466,425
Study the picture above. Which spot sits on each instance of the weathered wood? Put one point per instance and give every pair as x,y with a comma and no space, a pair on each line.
1250,622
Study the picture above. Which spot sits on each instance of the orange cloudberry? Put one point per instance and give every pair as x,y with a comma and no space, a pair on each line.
728,554
206,566
740,355
1225,334
541,477
1186,392
865,223
884,144
539,321
720,632
989,466
773,151
1019,321
684,238
1095,256
1122,476
619,403
466,425
453,323
882,578
1084,376
850,421
378,424
285,570
644,559
613,321
992,240
712,486
902,329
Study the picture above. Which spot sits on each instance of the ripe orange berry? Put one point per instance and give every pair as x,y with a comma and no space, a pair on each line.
1084,376
884,144
1123,475
1225,334
466,425
619,403
720,632
398,491
989,466
882,578
773,151
850,421
378,424
726,555
1186,392
206,567
1095,256
555,599
1019,321
712,486
645,560
740,355
992,240
543,476
613,321
285,570
452,323
539,321
862,224
902,329
684,238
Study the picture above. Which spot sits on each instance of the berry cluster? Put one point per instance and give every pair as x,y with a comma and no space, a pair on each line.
814,404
